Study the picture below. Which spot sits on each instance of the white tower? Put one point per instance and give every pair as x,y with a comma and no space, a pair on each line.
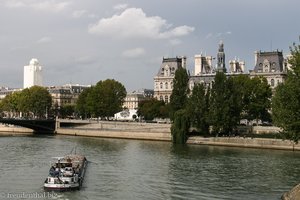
33,74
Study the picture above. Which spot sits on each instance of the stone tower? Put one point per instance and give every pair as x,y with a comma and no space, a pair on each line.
221,58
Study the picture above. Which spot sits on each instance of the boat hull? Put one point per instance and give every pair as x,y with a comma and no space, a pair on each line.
67,186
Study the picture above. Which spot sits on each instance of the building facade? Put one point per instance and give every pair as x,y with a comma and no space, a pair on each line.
163,81
133,99
65,95
33,74
271,65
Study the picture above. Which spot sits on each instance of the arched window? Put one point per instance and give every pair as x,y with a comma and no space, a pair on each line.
166,85
171,85
161,85
161,98
166,99
272,83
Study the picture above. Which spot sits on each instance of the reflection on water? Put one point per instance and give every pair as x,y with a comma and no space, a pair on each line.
128,169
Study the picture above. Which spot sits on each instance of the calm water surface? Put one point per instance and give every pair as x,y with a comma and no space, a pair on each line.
128,169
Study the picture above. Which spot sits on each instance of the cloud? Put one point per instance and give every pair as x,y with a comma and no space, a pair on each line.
44,40
120,7
78,13
133,23
134,53
49,5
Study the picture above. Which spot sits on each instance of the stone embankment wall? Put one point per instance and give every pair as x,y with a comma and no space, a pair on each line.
8,130
245,142
293,194
130,130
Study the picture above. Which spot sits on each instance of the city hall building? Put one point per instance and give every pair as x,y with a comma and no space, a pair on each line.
271,65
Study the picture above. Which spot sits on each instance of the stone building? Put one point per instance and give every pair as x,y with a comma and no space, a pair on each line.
271,65
163,81
66,94
133,99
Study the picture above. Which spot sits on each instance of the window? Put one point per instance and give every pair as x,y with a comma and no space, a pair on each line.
166,85
161,85
166,99
161,98
272,83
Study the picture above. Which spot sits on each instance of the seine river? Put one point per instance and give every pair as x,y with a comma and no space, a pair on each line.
129,169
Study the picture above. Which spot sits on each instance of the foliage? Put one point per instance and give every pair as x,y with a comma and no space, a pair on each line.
152,108
39,101
180,127
286,101
198,107
81,104
259,99
35,100
67,110
103,100
180,91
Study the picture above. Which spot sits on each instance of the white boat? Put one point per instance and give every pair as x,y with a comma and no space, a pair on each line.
66,173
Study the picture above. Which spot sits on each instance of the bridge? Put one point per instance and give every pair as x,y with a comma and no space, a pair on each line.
37,125
43,125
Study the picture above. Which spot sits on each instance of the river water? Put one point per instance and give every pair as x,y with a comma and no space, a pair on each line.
132,169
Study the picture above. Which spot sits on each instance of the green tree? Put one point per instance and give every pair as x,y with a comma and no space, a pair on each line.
82,107
259,100
224,115
106,98
242,86
286,100
67,110
40,101
152,108
217,107
198,108
180,91
180,127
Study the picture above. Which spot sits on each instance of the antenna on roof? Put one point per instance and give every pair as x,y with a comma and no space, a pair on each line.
271,46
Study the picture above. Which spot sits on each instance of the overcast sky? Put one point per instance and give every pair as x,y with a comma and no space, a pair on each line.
84,41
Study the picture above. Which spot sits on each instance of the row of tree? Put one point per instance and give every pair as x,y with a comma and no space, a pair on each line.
34,102
102,100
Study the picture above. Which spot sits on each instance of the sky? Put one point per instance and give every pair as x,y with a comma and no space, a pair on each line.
85,41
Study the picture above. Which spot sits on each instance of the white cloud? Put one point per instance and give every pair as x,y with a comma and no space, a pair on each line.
133,23
78,13
44,40
120,7
133,53
49,5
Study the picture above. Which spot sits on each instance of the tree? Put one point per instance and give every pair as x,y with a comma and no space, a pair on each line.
224,115
152,108
39,101
81,105
180,91
180,127
106,98
259,99
67,110
198,107
217,106
243,89
286,100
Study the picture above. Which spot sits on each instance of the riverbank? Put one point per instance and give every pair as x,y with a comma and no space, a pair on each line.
10,130
157,132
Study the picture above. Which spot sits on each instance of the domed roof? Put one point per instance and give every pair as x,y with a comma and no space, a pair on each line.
34,61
